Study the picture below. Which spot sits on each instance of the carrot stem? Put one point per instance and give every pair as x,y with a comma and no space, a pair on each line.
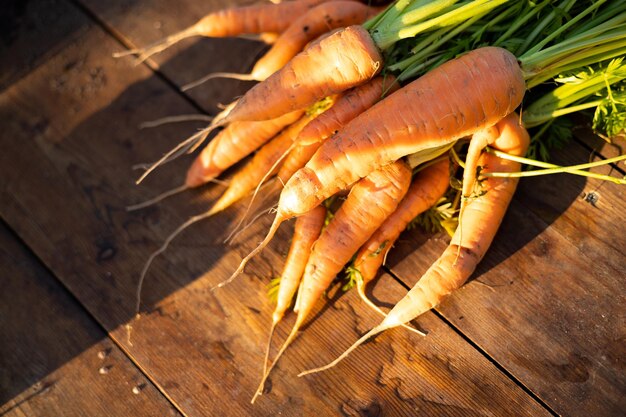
566,26
565,6
453,17
521,21
554,169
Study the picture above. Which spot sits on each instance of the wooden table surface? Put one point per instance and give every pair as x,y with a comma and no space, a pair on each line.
539,330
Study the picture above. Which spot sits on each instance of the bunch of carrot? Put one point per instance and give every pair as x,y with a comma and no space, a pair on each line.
326,122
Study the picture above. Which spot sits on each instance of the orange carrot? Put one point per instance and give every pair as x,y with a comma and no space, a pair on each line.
262,165
315,22
426,188
341,61
233,144
370,201
478,226
457,99
255,19
347,107
306,231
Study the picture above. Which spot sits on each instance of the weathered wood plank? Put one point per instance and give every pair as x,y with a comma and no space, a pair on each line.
66,181
546,302
558,202
54,359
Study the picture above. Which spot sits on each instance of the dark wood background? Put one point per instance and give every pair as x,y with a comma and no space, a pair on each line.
539,330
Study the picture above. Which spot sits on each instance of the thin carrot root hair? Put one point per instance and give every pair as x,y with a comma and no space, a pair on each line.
214,75
267,371
233,235
159,46
176,119
186,146
171,192
267,353
158,198
270,234
162,249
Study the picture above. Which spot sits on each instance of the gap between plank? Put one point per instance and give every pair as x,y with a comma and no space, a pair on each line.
481,351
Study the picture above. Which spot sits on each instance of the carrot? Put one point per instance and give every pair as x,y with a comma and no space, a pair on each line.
412,119
306,231
426,188
370,201
315,22
262,165
478,226
457,99
342,60
347,107
256,19
233,144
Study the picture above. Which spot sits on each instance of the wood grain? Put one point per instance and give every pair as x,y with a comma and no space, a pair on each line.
67,177
55,360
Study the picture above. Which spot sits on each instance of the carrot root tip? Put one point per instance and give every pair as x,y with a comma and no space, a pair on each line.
157,198
175,119
214,75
